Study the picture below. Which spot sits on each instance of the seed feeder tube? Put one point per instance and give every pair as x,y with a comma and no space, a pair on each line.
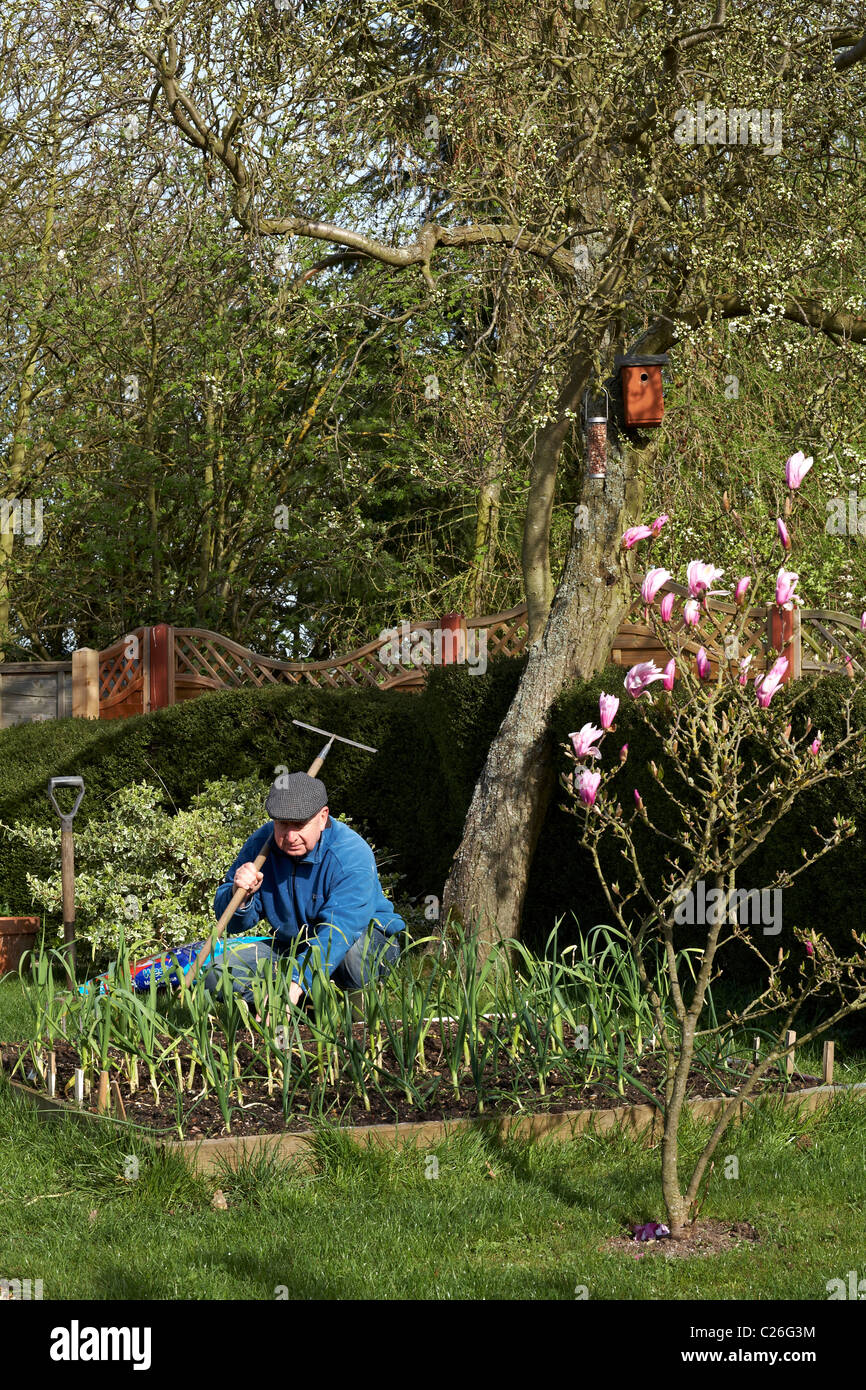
595,428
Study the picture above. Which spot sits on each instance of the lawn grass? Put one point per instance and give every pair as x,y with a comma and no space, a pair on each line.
504,1219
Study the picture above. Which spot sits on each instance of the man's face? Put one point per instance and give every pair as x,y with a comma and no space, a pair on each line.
297,837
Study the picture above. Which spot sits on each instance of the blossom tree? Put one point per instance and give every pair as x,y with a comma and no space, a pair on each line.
738,755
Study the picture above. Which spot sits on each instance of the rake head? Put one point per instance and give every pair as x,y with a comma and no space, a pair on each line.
338,737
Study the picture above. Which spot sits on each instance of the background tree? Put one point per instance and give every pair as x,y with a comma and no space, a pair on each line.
608,228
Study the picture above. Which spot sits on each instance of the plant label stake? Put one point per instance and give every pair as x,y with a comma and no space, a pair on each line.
790,1039
67,866
827,1062
118,1099
78,1092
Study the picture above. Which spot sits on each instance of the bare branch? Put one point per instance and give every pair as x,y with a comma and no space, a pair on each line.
845,60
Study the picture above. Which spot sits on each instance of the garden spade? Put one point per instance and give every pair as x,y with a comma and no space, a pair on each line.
240,893
67,865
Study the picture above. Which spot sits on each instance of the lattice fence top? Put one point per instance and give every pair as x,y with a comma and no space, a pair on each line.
507,633
637,641
832,641
209,661
205,660
121,666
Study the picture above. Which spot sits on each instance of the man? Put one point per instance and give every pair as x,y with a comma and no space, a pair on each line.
319,886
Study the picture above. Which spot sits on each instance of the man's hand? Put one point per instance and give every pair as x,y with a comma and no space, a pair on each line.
295,992
249,878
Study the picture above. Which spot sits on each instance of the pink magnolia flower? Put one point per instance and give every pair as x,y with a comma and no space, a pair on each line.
607,708
863,622
703,663
744,668
701,576
666,607
740,591
783,533
796,468
670,674
815,745
692,612
583,742
623,753
587,786
641,676
767,685
652,583
637,798
810,949
785,582
635,534
659,522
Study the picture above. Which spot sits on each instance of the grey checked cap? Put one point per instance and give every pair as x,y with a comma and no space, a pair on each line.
296,796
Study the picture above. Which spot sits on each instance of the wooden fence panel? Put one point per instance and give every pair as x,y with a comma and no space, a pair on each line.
153,666
124,677
163,665
34,690
831,642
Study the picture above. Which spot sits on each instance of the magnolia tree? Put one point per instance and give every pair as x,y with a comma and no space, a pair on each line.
738,755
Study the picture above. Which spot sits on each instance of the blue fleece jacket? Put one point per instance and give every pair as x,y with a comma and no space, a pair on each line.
334,891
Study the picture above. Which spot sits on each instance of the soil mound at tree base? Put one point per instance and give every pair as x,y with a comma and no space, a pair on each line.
707,1237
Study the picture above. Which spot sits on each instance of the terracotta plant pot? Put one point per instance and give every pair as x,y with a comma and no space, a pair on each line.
17,935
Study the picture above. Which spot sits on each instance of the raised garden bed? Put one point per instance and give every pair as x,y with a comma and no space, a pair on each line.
563,1111
645,1120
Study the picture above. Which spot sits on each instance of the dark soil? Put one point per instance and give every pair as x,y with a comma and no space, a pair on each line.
510,1088
708,1237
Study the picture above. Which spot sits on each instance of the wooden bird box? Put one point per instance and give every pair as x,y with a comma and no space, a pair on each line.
642,392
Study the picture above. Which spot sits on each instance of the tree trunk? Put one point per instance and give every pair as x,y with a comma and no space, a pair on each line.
27,394
487,882
486,534
205,552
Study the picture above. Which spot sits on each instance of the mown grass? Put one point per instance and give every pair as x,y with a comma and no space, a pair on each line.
504,1218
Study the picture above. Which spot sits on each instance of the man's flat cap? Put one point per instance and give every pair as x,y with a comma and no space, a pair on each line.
296,796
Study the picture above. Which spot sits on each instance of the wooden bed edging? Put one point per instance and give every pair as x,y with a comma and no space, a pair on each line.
204,1155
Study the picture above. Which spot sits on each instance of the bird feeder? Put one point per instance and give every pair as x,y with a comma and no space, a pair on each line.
642,393
595,427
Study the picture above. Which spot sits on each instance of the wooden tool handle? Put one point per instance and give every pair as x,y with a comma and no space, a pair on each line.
237,898
316,765
67,880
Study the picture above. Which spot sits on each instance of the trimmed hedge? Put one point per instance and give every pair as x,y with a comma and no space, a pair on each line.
413,795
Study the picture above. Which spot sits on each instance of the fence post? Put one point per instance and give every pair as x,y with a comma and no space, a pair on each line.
454,645
161,639
85,683
783,633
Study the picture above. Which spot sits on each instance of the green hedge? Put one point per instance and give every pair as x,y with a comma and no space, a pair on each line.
236,734
413,795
